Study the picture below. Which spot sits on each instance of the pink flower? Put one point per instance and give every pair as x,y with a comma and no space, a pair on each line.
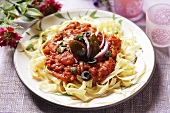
2,30
10,29
47,7
8,37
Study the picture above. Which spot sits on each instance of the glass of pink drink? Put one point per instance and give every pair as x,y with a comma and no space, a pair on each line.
158,25
131,9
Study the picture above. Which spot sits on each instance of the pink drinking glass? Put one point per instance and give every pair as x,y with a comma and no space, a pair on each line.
158,25
131,9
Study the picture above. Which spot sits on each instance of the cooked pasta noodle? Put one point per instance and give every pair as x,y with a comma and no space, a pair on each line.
124,74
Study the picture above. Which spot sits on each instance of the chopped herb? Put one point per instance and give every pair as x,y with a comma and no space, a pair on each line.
79,36
73,70
59,49
29,47
34,37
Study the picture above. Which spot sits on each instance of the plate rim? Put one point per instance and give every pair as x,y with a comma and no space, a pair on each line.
88,108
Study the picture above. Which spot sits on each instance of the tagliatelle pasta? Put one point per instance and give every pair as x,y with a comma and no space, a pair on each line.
50,76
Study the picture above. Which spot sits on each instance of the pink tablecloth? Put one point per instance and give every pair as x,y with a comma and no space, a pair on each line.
154,98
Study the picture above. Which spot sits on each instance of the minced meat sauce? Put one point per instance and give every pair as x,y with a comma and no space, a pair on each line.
60,64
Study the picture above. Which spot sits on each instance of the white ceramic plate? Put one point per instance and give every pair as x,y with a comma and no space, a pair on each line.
21,60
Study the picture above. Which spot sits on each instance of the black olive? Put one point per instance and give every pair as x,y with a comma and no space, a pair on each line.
92,61
86,76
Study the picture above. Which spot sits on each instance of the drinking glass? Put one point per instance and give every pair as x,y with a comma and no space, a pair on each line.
158,25
131,9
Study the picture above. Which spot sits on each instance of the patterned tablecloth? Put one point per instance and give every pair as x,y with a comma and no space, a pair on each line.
154,98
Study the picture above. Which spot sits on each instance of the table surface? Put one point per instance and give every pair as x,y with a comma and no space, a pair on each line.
154,98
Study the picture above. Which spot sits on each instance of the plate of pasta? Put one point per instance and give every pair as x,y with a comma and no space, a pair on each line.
84,59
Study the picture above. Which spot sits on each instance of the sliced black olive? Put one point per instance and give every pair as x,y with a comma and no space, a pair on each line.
92,61
86,76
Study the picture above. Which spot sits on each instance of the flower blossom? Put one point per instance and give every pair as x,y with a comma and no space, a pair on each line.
47,7
8,37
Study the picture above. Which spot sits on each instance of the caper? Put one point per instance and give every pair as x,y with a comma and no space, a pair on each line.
86,76
108,54
73,70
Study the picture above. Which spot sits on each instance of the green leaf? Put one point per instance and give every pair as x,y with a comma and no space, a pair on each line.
92,15
30,6
33,12
69,16
12,16
29,47
27,33
34,37
120,22
59,15
86,12
40,27
23,7
10,8
28,19
113,17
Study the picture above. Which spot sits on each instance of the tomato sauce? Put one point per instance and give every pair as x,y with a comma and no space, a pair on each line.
60,64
